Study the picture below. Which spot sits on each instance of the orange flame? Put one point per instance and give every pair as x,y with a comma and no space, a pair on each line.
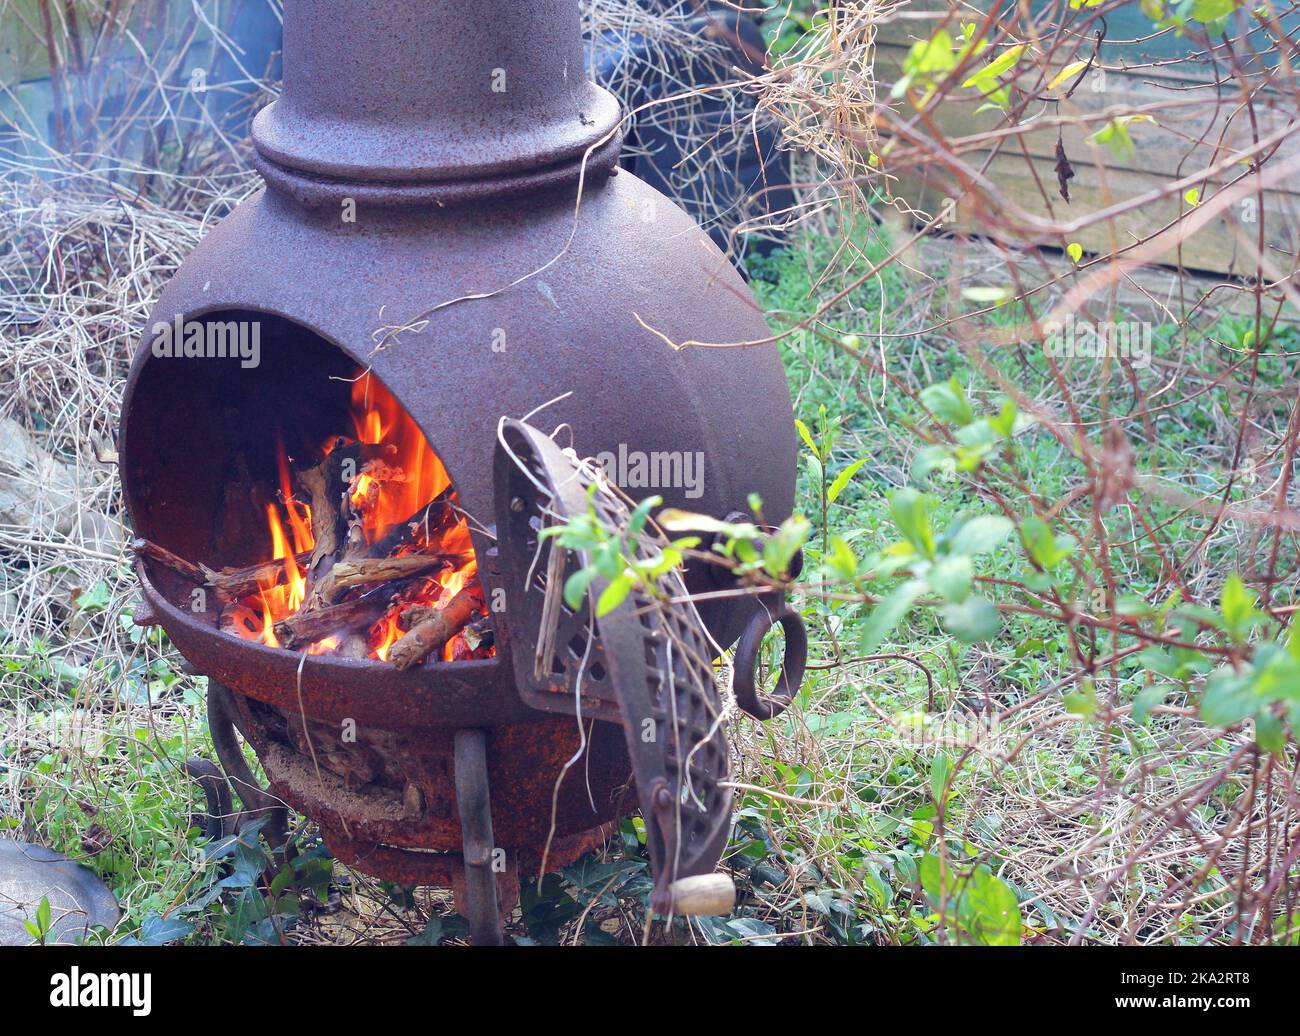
385,493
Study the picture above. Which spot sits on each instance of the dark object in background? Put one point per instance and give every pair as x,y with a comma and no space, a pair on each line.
741,178
77,900
738,178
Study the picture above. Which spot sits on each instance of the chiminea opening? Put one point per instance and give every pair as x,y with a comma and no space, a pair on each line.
326,520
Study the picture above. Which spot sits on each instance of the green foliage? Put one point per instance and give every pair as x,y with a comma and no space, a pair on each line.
981,908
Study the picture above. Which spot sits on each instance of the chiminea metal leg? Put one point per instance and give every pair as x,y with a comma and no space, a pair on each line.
473,802
219,821
221,725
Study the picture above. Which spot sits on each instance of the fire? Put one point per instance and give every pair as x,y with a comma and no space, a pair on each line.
383,494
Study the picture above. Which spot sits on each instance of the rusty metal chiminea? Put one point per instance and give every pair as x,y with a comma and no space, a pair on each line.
423,167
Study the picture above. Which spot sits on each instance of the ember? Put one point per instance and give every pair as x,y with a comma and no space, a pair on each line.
371,555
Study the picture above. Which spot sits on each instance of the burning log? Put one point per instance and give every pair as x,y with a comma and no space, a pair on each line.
474,641
229,584
234,584
430,522
328,484
429,629
350,616
361,571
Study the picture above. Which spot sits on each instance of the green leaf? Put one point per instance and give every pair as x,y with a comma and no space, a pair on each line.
1115,135
997,66
974,619
888,613
1068,72
1082,702
993,910
1147,699
1074,250
931,458
575,587
1042,545
1237,605
841,559
806,436
614,594
636,521
940,771
981,534
951,578
1270,735
842,480
1227,698
910,512
947,401
43,915
988,296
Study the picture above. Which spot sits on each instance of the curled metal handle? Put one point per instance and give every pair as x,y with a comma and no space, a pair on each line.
745,681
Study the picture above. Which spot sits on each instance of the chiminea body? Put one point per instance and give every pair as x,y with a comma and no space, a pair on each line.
448,167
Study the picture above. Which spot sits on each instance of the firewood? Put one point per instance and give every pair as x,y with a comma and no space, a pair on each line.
328,483
350,616
234,584
229,584
480,633
359,571
355,645
431,632
427,524
147,548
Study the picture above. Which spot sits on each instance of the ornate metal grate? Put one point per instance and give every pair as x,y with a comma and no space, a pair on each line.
648,664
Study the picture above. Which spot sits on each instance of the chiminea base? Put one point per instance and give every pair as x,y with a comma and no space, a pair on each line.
483,877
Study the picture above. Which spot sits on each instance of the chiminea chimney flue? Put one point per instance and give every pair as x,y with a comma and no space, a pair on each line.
429,96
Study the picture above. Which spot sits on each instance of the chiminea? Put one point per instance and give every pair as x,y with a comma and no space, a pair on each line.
444,251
